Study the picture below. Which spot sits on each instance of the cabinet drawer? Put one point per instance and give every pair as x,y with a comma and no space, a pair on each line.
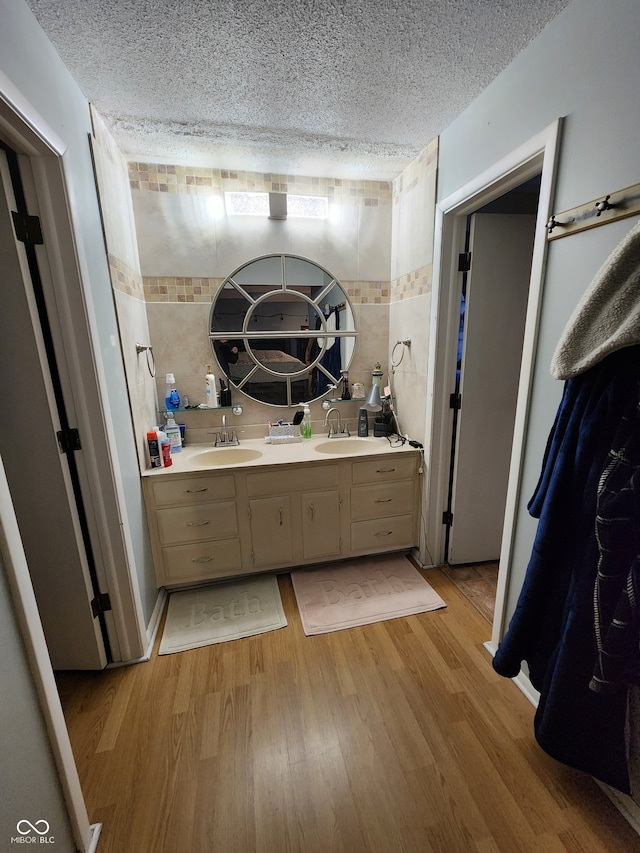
193,489
382,534
205,560
290,479
200,521
401,467
378,501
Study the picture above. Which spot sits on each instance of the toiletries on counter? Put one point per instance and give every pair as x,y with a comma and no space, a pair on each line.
225,394
172,398
211,401
305,426
165,446
363,423
153,444
172,431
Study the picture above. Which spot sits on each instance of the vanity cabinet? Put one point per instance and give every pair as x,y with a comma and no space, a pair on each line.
384,503
194,526
302,523
271,531
209,525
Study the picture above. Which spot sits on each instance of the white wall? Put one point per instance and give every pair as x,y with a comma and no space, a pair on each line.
31,788
31,65
585,65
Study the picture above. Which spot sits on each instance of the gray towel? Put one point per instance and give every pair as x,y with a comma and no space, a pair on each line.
607,318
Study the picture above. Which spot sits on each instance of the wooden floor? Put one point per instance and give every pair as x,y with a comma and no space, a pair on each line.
397,736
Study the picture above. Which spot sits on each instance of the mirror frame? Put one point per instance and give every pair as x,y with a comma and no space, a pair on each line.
247,337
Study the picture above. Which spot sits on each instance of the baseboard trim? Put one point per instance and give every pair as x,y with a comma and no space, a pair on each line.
152,631
95,830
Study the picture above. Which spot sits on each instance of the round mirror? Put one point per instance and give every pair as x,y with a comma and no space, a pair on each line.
282,328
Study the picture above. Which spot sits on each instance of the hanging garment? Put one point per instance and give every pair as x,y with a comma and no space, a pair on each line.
617,592
607,318
552,628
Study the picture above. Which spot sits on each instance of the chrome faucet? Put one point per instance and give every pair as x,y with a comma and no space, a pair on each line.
333,433
224,438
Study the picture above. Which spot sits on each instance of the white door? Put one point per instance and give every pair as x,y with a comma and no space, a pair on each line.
497,291
38,473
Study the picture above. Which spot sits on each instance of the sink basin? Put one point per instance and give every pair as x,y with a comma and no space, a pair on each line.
226,456
347,446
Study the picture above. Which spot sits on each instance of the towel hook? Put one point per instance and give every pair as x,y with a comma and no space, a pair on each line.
151,362
603,205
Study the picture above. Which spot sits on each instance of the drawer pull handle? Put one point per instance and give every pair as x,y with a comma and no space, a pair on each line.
384,470
312,511
197,523
280,513
383,500
195,491
383,533
201,559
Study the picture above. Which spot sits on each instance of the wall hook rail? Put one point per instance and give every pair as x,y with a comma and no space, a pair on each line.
614,206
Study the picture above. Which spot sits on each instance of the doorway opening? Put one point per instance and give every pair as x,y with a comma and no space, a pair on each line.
534,161
494,271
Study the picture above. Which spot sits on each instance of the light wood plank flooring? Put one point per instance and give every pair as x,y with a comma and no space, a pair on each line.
397,736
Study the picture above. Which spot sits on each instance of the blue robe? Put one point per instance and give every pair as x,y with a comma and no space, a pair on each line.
552,628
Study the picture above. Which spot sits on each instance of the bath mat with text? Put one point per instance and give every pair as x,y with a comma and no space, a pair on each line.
226,611
359,592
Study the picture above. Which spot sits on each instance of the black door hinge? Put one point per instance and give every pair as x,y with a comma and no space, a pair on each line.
455,401
68,440
27,228
100,604
464,261
447,517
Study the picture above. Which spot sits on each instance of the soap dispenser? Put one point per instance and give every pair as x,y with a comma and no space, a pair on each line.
305,426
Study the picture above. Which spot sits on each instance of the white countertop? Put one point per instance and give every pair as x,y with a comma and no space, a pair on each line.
191,458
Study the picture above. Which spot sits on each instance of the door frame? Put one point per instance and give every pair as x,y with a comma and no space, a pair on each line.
64,267
537,156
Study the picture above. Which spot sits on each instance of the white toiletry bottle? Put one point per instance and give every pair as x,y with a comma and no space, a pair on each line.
211,390
172,431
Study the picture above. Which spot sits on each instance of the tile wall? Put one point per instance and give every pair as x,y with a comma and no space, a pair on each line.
188,246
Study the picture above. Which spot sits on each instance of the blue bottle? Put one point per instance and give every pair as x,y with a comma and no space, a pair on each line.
172,398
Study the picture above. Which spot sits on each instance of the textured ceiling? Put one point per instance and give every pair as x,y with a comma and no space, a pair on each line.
352,88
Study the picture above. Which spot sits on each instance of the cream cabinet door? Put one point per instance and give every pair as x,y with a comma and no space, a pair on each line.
321,524
271,531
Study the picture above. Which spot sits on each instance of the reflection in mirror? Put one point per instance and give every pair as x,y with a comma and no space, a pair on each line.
282,329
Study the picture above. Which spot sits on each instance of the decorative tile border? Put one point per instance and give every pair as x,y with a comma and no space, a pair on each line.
415,283
171,289
157,177
125,279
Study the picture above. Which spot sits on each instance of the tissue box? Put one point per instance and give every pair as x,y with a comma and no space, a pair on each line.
284,434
